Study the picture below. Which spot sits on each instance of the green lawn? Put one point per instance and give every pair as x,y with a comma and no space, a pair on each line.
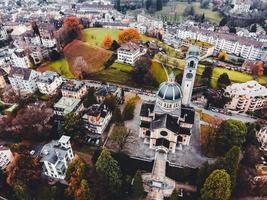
61,67
158,72
212,16
95,36
122,67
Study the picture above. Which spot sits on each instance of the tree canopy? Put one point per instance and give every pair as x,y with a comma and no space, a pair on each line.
137,187
129,35
217,186
223,81
231,133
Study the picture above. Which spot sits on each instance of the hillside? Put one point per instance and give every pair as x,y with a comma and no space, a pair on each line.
83,57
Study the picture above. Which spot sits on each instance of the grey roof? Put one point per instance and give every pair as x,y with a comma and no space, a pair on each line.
166,121
25,73
188,114
73,85
48,77
105,90
146,108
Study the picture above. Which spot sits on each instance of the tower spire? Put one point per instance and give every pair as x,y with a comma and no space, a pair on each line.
171,77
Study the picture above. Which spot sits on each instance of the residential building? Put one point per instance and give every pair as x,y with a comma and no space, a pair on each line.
245,47
241,6
73,88
23,79
20,58
6,157
262,137
56,157
106,90
249,96
48,82
150,22
97,118
67,105
3,33
129,53
3,78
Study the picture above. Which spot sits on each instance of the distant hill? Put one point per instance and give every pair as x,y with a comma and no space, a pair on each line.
83,57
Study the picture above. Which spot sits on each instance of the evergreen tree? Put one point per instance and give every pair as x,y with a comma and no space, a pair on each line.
111,102
90,98
109,170
117,116
138,188
223,22
174,195
217,186
207,75
128,112
73,125
84,192
223,81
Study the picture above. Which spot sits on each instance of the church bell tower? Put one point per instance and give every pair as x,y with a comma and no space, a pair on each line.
190,70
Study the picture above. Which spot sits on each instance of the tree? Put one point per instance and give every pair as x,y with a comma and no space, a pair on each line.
230,163
107,42
189,10
129,35
253,28
217,186
204,3
159,5
111,102
73,125
223,81
121,135
222,55
84,192
117,116
223,22
141,73
231,133
21,191
174,195
90,98
128,112
207,75
109,170
252,129
137,187
115,45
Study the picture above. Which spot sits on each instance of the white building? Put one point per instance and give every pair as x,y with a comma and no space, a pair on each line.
129,53
245,47
97,118
67,105
3,33
20,58
106,90
262,137
6,157
23,79
241,6
247,96
56,157
48,82
150,22
73,88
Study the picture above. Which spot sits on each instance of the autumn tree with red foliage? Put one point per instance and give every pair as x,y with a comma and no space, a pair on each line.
71,30
129,35
107,42
257,69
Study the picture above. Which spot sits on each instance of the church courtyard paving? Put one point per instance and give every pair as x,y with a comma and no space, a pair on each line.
189,156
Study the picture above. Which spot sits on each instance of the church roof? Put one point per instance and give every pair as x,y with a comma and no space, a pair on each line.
146,108
166,121
188,114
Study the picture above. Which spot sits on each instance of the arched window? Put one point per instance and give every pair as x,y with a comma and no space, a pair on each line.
148,133
192,64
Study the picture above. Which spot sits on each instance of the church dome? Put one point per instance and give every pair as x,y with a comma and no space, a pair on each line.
170,90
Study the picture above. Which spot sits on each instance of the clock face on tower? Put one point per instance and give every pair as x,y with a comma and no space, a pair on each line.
189,75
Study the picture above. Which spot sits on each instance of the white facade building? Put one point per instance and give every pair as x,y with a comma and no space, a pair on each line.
245,47
262,137
129,53
247,96
48,82
6,157
67,105
150,22
241,6
20,58
97,118
23,79
3,33
56,157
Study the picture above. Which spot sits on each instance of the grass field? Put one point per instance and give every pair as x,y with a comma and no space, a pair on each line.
158,72
122,67
61,67
95,36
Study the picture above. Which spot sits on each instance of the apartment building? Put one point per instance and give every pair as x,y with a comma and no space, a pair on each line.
23,79
245,97
97,118
245,47
262,137
6,157
48,82
20,58
74,89
56,157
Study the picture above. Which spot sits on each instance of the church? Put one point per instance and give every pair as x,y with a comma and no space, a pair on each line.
167,122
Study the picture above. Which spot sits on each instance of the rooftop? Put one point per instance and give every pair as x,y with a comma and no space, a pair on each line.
48,77
73,85
68,104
